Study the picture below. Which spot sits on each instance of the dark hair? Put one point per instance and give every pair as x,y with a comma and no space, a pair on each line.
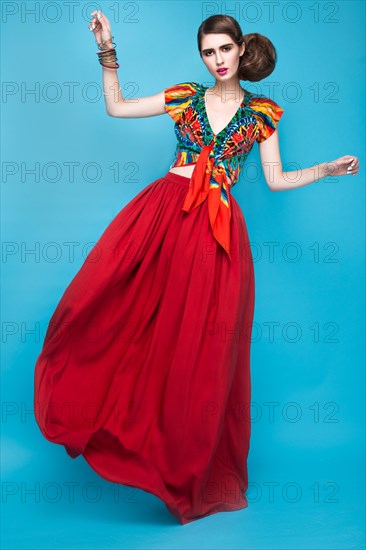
259,58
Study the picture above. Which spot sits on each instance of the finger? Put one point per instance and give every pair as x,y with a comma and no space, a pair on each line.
97,14
96,21
95,25
103,20
354,163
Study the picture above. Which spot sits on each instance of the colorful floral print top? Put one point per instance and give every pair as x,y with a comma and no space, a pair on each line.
220,157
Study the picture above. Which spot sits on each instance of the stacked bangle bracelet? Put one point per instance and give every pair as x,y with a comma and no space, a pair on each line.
107,55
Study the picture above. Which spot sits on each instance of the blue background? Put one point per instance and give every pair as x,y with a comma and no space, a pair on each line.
314,441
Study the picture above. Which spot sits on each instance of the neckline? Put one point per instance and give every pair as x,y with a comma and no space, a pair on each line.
203,97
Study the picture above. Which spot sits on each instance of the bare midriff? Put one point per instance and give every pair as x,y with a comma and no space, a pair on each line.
183,170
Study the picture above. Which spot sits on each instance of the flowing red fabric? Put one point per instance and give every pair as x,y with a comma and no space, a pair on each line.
145,366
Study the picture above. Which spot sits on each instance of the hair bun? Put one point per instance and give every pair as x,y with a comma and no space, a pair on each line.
259,58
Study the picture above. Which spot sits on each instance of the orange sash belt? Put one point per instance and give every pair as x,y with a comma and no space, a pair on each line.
209,182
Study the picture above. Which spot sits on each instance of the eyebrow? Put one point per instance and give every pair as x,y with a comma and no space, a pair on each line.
223,46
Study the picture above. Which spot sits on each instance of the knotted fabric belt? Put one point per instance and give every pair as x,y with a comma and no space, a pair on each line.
209,181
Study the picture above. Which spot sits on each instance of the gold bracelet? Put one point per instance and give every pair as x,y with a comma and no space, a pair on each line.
108,60
104,52
107,57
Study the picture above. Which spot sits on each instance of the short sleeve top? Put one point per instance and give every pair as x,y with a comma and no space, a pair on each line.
220,155
255,120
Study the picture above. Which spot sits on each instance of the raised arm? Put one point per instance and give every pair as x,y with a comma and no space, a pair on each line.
116,104
278,180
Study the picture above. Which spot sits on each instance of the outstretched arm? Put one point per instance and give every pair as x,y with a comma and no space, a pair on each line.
278,180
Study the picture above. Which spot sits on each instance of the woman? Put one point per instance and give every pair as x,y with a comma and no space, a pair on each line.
145,367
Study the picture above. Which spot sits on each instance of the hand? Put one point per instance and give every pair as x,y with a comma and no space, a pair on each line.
100,26
343,166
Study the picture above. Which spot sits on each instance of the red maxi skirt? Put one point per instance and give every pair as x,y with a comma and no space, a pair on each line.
145,365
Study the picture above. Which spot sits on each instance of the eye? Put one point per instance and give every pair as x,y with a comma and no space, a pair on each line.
225,48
